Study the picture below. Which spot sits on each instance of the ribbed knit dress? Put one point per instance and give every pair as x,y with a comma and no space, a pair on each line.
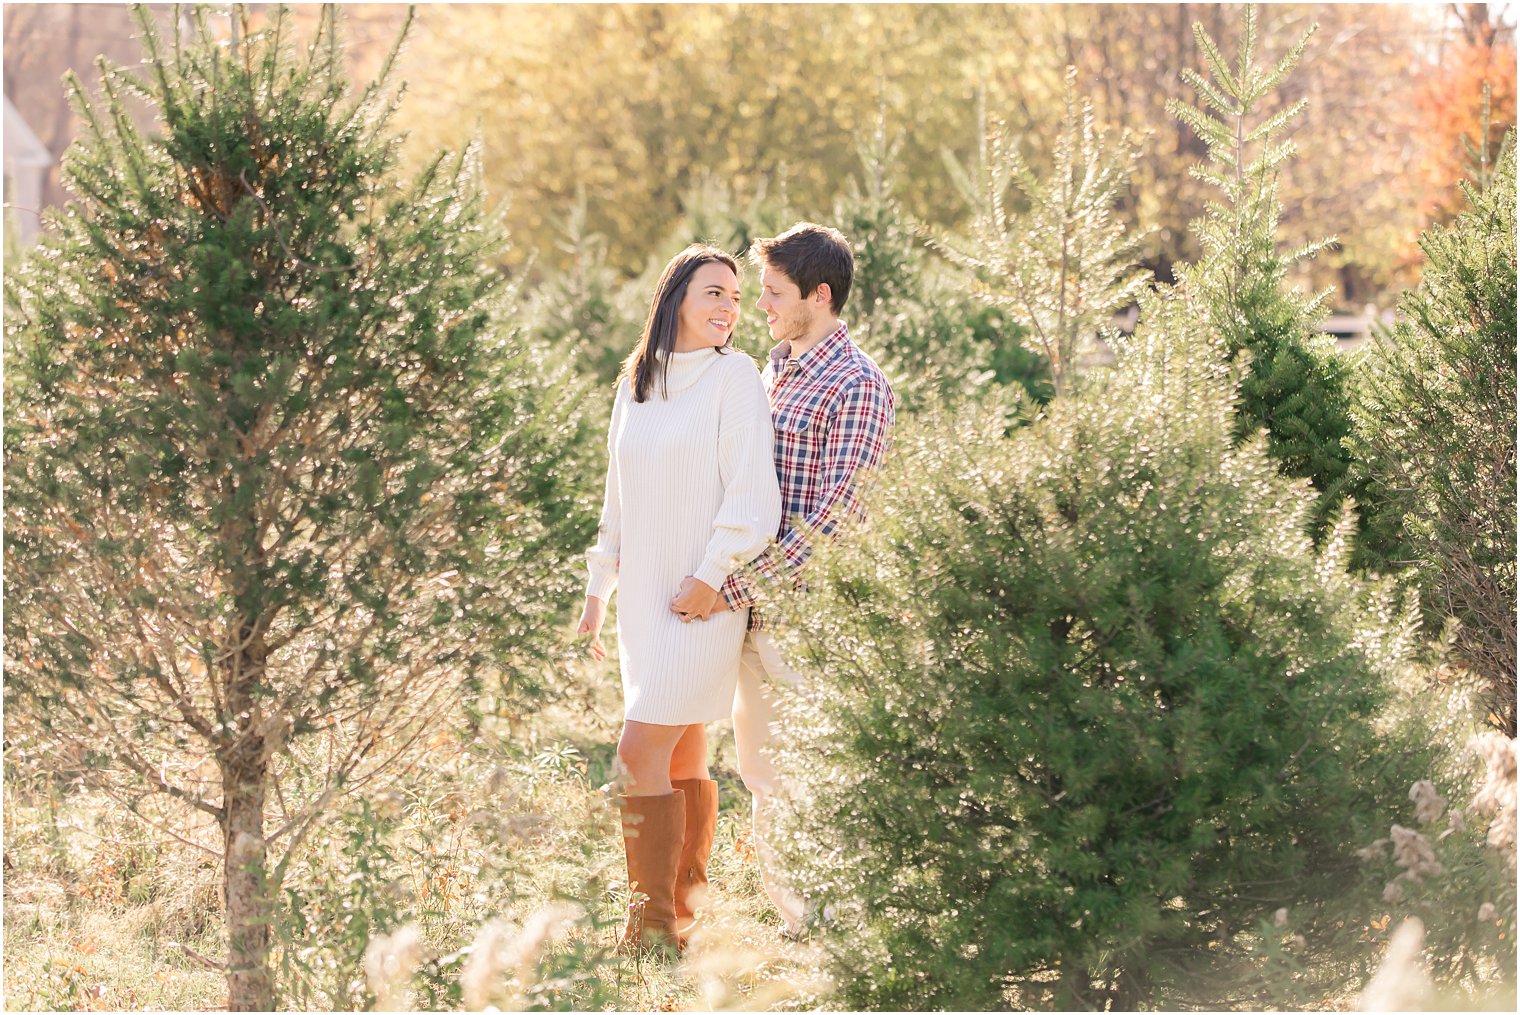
691,490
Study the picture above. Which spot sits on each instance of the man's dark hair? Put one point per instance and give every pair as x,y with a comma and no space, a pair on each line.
810,255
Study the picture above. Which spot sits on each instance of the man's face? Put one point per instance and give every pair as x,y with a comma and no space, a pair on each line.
788,314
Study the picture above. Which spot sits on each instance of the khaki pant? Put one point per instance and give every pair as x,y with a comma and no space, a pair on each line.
760,667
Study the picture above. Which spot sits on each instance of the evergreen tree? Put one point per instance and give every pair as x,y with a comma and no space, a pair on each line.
587,310
1084,704
278,475
1435,424
1297,384
934,340
1064,265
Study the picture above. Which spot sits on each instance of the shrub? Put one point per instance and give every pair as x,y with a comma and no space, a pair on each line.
1083,702
1435,424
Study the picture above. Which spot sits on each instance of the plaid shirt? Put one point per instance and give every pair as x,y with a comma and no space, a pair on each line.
833,411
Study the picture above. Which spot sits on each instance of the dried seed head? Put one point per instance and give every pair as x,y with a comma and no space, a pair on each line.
1428,804
389,962
1401,982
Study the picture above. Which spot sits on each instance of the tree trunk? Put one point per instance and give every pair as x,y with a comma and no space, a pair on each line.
250,984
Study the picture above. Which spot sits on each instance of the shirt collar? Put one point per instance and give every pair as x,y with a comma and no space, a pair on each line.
816,358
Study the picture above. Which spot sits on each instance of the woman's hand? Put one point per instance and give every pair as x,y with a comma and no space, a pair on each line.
592,619
695,600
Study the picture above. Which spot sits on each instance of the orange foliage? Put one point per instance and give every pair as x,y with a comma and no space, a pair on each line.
1448,106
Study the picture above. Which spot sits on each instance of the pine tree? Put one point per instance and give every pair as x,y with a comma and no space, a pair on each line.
889,265
1065,264
587,310
1084,703
1297,385
1435,424
279,475
935,341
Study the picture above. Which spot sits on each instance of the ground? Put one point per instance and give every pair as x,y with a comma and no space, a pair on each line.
499,820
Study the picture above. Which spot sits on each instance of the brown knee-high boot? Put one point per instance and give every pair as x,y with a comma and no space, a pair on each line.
653,827
696,847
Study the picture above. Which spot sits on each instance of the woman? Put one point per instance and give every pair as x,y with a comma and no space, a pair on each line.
691,495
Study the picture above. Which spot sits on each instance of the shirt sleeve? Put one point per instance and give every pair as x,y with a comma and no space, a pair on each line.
602,558
750,512
859,437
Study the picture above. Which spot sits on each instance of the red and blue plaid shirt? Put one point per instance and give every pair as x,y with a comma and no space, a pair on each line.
833,411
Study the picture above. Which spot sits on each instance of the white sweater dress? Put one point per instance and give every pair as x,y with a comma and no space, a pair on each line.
691,490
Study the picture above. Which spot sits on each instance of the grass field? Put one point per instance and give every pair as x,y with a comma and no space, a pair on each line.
489,873
503,824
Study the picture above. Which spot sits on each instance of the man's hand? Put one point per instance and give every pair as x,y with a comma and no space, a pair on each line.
696,600
592,618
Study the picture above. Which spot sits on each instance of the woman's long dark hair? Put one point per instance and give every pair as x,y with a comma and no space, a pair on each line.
659,340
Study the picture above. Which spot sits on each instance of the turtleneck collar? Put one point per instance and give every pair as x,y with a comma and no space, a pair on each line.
686,367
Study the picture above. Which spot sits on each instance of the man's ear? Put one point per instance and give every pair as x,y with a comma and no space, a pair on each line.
823,294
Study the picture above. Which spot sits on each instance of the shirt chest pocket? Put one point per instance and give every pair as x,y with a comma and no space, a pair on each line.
801,433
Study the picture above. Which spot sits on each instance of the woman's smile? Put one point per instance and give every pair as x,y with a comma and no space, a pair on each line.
711,302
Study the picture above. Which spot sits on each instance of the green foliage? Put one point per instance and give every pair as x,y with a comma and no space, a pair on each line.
916,318
276,460
1435,423
586,310
1063,267
1296,387
596,315
1084,703
350,891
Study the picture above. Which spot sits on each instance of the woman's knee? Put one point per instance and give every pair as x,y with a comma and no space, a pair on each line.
639,755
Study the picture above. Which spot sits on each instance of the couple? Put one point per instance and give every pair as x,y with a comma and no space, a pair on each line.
710,460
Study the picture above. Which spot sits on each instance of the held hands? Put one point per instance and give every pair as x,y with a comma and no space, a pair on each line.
592,618
696,600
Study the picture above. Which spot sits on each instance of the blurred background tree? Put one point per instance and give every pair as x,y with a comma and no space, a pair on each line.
633,102
916,314
1449,105
1295,385
1047,249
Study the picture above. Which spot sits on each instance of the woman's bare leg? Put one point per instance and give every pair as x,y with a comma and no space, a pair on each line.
689,759
645,751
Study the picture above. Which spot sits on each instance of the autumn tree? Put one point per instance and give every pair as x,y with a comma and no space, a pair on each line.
657,97
1466,95
774,96
1349,176
278,470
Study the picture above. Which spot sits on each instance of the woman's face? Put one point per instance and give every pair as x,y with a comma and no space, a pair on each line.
710,309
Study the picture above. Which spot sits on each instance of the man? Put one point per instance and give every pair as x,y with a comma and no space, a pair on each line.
833,412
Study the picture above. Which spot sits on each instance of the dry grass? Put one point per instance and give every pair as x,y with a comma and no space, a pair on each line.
499,823
93,907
